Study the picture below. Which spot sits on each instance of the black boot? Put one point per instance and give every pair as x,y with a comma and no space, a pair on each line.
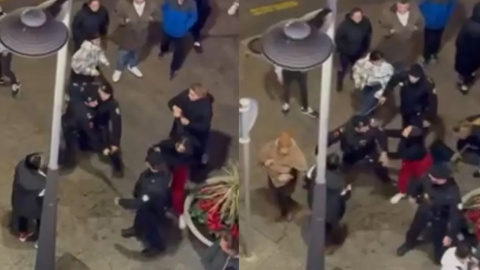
117,165
129,232
151,252
404,249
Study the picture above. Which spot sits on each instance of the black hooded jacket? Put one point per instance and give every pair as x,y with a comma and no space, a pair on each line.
27,186
467,58
416,99
353,39
87,23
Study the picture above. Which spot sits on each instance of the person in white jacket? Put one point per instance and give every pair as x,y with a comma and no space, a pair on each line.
86,61
371,75
459,258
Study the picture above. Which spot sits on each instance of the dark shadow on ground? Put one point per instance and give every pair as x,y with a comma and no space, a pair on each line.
217,150
70,262
199,248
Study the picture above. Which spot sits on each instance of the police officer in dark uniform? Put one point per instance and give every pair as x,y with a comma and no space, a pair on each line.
418,98
108,121
78,126
338,194
438,198
359,140
150,200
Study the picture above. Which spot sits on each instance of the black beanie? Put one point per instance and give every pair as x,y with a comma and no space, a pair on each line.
416,71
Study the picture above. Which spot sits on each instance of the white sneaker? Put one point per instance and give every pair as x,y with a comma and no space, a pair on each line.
397,197
116,76
181,222
233,8
135,71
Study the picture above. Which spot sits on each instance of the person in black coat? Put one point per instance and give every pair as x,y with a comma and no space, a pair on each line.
352,38
108,121
338,193
193,112
150,200
78,125
418,97
92,18
467,56
27,196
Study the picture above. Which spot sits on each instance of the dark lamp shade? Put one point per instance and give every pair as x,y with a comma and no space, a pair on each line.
296,46
30,32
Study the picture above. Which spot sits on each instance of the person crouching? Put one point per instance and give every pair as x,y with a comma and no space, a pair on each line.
416,159
27,196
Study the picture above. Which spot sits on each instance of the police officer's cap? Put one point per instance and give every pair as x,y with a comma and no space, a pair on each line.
155,159
440,171
90,93
359,121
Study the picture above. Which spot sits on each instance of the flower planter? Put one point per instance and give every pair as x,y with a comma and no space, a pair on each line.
188,219
470,194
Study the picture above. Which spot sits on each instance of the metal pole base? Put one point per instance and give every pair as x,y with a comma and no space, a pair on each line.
45,259
316,232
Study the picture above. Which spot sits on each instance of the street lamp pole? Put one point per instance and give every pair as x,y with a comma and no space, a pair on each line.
45,259
248,114
316,246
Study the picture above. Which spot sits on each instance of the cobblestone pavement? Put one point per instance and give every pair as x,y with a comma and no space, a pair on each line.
376,228
89,223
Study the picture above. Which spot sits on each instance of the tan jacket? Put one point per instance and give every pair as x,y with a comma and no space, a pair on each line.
133,29
390,21
282,164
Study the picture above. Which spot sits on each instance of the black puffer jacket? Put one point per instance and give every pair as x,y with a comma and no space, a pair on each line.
353,39
467,58
87,23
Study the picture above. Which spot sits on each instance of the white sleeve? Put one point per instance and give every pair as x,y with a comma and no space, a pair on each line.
42,193
278,71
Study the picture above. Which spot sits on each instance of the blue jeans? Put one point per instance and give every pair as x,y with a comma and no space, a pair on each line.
368,100
126,58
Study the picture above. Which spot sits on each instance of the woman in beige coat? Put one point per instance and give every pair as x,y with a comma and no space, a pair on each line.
283,160
401,22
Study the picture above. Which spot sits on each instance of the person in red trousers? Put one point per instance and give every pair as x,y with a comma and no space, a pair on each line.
416,159
178,154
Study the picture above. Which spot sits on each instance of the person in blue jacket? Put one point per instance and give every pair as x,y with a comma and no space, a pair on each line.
178,17
436,13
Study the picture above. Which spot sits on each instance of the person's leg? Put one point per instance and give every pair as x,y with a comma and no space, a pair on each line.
343,68
406,172
164,44
287,81
419,223
178,56
132,63
180,176
204,10
367,101
280,200
438,232
122,58
23,229
6,63
117,163
437,42
302,83
428,44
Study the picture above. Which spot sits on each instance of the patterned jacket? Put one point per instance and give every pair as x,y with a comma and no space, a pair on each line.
365,73
86,60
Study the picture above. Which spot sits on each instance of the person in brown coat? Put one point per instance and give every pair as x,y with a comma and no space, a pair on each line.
135,17
283,160
401,23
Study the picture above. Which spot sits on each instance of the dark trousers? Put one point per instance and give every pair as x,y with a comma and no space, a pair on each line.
432,42
408,120
345,67
282,195
147,228
115,158
467,79
203,12
439,225
6,68
81,79
290,77
372,160
368,101
23,225
73,141
178,50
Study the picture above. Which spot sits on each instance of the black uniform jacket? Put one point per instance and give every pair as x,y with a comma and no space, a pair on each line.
152,190
171,156
27,186
443,199
416,99
87,23
80,117
352,142
198,112
109,120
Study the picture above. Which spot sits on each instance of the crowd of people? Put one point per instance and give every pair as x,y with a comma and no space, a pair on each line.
425,177
92,122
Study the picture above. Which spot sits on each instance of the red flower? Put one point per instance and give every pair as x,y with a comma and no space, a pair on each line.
213,221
